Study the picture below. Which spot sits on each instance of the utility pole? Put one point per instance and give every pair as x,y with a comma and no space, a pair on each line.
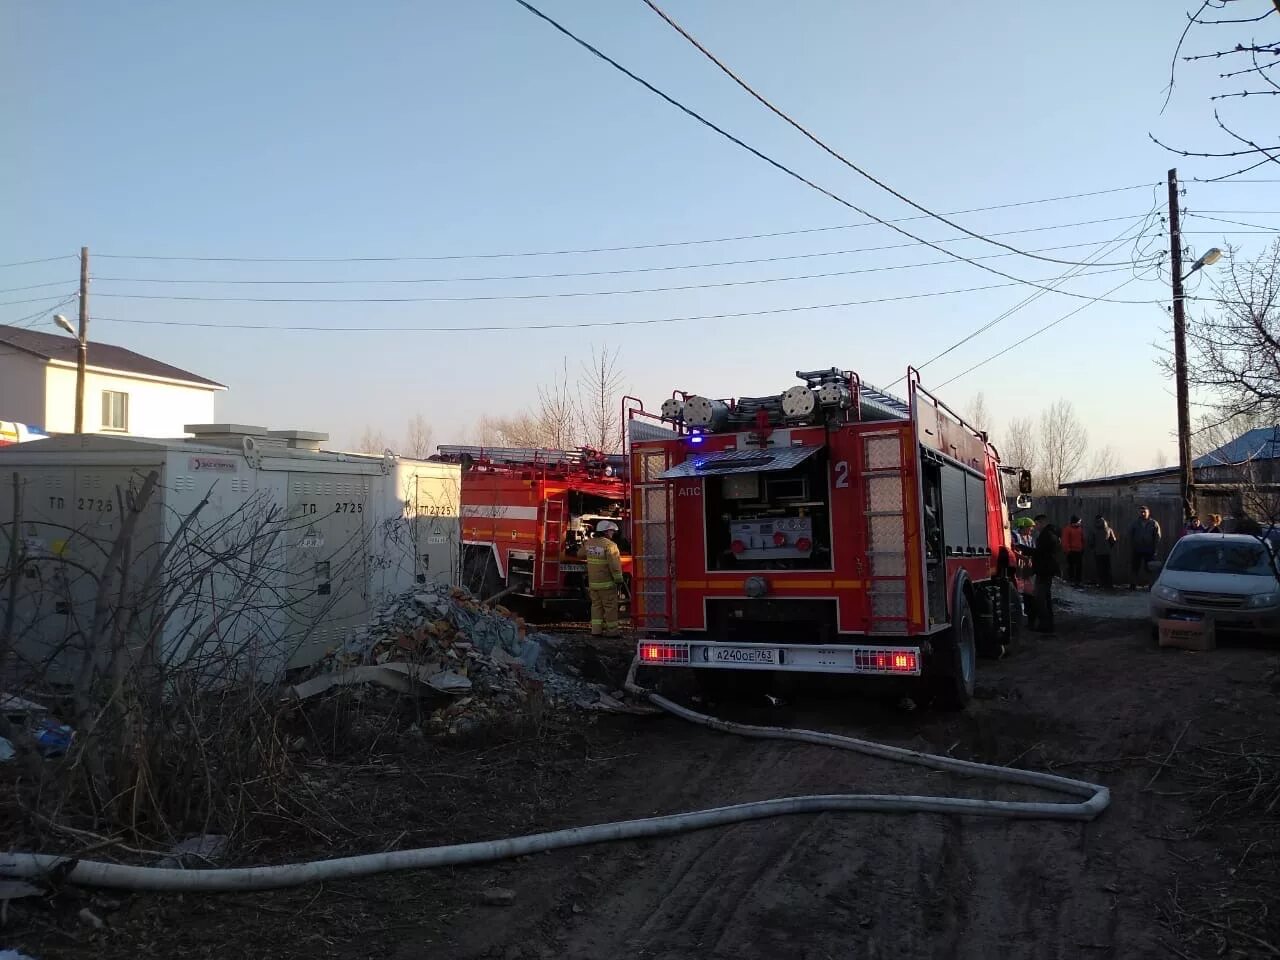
1186,478
82,346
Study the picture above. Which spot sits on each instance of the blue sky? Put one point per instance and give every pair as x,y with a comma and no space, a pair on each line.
422,130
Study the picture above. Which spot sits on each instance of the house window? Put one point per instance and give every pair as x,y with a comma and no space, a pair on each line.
115,410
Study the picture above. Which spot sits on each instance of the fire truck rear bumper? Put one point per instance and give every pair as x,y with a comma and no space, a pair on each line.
862,658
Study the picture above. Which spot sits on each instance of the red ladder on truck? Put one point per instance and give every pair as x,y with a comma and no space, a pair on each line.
552,543
652,542
884,480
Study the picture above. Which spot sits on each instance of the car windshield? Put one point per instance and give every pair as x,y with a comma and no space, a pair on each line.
1220,557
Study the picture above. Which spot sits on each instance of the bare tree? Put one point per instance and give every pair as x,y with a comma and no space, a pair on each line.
1161,459
978,414
600,394
1021,446
1105,462
1246,65
418,438
1064,442
567,413
371,440
557,415
1234,349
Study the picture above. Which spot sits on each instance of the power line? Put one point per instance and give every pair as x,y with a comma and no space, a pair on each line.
39,314
38,286
627,270
617,249
24,263
557,295
11,303
1034,334
492,328
767,159
831,151
1029,299
1234,223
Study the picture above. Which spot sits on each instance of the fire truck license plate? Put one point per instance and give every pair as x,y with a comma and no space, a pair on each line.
744,655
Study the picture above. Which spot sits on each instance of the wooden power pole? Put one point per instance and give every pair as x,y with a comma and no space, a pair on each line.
82,346
1186,476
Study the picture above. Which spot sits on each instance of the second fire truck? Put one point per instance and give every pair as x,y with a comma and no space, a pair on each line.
525,513
831,528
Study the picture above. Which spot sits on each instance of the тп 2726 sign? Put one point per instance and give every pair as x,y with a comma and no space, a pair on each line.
211,465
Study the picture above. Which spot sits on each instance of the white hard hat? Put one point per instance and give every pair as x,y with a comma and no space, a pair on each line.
606,526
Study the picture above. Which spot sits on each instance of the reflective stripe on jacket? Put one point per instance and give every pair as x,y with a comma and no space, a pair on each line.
604,563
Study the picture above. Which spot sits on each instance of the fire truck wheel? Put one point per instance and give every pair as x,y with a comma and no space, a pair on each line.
953,663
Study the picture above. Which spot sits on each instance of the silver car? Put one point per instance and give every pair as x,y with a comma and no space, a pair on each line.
1232,578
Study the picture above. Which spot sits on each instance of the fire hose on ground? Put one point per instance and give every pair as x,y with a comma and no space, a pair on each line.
91,873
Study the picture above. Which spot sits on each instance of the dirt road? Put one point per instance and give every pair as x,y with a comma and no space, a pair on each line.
1099,702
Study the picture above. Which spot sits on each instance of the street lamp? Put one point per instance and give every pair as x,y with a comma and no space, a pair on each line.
1211,256
82,358
1186,469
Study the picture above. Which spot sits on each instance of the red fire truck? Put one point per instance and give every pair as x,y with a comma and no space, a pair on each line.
526,511
832,528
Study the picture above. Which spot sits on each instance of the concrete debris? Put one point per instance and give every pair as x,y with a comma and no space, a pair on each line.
440,641
91,919
202,850
498,897
51,738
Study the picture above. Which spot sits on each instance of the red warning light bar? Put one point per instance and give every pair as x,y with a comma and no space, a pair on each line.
887,660
664,653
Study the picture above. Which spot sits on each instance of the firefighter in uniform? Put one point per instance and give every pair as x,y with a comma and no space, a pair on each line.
604,579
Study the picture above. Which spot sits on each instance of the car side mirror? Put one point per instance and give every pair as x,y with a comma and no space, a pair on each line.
1024,481
1023,502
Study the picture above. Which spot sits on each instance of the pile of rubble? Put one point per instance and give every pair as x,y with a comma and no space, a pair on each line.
440,640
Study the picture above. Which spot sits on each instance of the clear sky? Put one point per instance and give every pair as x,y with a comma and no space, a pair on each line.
409,129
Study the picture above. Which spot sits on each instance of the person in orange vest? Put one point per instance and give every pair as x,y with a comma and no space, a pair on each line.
1073,547
604,579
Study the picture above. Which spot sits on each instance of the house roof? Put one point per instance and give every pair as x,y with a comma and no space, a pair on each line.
53,346
1262,443
1119,478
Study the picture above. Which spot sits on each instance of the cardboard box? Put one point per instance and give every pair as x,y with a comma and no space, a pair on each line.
1188,634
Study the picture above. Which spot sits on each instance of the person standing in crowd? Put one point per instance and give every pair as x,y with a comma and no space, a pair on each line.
1144,546
1215,523
1193,526
1022,547
1044,564
1073,546
1102,543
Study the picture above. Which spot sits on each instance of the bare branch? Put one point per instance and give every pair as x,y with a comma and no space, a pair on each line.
1173,61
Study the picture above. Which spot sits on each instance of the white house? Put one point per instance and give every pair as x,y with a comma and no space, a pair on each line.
125,393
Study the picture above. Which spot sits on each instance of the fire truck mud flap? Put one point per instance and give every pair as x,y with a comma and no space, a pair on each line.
897,660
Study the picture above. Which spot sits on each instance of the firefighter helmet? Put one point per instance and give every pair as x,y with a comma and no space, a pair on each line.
606,526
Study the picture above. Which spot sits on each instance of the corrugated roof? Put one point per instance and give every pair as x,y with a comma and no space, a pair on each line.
1262,443
740,461
52,346
1123,477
